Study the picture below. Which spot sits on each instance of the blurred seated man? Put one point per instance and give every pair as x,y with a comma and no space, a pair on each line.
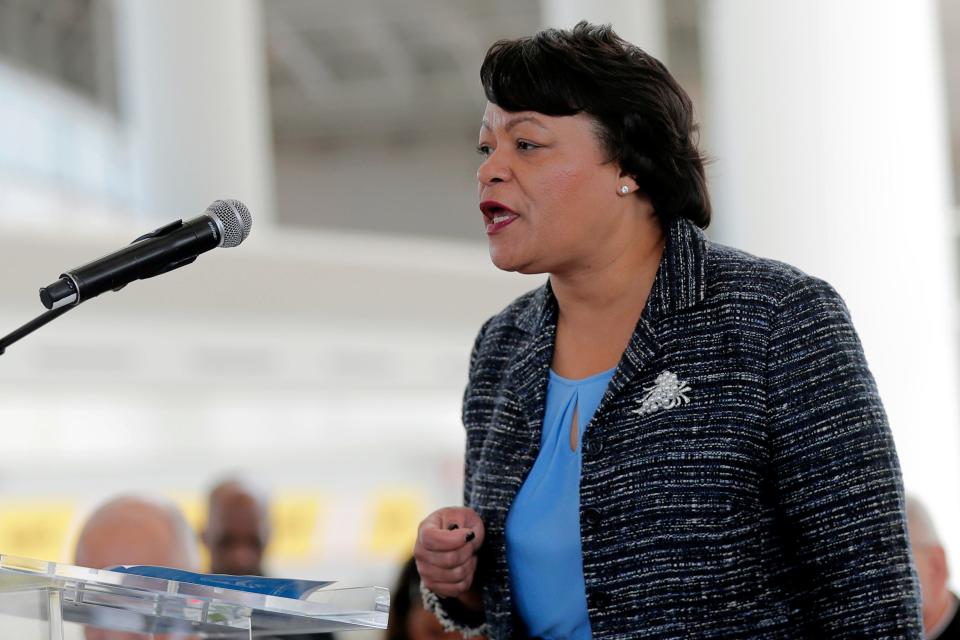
238,531
940,619
136,530
238,528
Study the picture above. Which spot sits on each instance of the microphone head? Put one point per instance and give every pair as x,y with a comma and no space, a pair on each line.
234,218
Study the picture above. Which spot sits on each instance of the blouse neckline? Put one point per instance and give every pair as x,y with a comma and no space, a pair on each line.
556,377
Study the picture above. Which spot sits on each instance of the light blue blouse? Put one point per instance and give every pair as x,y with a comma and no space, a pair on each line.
543,526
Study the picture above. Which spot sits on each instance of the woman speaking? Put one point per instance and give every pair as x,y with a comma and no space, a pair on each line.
671,438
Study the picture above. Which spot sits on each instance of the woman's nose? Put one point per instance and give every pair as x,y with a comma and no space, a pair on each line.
494,169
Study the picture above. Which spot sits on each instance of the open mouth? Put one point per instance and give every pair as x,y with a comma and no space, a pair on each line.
496,215
496,212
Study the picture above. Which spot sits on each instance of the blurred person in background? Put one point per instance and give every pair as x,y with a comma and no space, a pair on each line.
141,531
408,619
940,619
671,438
238,530
137,530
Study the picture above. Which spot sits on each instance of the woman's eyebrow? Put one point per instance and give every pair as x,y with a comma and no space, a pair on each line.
514,122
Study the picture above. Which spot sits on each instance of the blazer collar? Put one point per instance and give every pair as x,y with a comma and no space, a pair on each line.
681,277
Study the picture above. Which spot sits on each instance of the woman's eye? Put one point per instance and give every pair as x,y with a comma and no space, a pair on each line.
483,149
526,145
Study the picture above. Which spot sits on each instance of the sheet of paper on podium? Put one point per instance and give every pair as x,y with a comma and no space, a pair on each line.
51,601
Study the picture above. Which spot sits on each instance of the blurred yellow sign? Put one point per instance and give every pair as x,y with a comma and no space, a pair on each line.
295,519
36,530
396,515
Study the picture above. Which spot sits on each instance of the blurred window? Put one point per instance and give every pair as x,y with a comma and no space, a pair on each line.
67,41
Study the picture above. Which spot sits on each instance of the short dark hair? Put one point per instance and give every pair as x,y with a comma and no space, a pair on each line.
645,118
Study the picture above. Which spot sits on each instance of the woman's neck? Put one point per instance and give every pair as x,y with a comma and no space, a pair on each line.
599,305
616,283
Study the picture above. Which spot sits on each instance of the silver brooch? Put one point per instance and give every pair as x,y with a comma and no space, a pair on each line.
667,392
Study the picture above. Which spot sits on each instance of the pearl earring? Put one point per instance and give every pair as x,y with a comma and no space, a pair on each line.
624,189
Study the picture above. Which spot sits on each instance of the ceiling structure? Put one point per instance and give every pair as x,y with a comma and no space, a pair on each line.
369,72
348,71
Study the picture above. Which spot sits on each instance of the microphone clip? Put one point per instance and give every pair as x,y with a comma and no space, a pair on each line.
162,231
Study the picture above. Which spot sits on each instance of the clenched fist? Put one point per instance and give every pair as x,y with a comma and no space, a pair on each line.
446,552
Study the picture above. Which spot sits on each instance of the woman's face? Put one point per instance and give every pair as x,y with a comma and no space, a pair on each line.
549,197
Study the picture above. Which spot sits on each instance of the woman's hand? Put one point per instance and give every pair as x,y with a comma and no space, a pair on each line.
446,552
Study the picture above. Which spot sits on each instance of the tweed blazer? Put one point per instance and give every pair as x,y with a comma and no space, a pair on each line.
756,494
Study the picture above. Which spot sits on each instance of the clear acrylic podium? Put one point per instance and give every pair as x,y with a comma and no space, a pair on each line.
50,601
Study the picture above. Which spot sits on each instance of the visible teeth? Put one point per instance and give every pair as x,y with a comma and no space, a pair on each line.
499,219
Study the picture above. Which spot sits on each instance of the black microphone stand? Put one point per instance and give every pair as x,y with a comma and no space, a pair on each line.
53,314
32,326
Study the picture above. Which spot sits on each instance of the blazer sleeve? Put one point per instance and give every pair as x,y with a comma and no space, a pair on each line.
472,445
836,474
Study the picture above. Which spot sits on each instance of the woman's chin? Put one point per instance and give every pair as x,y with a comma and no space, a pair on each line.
513,263
499,258
504,260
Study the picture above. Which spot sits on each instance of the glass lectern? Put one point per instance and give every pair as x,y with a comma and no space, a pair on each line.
49,601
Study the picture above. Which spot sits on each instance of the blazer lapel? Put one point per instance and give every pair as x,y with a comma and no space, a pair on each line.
680,282
527,377
636,358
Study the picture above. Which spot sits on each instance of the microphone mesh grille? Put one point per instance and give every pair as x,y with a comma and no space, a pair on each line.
235,218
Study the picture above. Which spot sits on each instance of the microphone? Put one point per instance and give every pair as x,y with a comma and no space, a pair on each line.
225,223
